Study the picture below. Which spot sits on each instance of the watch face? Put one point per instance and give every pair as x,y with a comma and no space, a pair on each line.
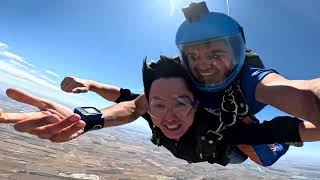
91,110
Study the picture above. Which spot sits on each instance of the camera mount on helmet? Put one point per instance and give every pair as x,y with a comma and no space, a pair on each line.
193,12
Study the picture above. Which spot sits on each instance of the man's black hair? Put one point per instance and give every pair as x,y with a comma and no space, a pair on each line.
165,67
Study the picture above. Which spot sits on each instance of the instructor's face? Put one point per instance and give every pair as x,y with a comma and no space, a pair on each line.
209,63
171,106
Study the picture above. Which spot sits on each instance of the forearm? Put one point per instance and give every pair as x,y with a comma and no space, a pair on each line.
109,92
299,98
125,112
122,113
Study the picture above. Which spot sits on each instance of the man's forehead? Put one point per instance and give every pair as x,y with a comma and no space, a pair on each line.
218,44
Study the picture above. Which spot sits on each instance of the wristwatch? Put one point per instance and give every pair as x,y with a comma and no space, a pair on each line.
91,116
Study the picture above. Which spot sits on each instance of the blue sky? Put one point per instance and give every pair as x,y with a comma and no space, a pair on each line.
43,41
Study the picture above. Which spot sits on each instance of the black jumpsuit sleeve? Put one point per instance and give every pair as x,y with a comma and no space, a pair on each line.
127,95
280,129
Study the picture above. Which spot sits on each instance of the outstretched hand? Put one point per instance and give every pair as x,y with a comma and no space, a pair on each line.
43,104
54,121
75,85
52,127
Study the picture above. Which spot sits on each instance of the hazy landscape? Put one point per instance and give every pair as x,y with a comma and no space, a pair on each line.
119,153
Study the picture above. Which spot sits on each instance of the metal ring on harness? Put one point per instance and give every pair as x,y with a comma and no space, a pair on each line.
220,136
234,119
229,91
228,96
229,106
244,112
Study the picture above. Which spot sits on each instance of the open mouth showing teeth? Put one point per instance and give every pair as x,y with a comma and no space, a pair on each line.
173,126
206,74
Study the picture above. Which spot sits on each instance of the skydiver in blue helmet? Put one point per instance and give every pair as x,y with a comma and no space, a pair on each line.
213,51
212,47
231,70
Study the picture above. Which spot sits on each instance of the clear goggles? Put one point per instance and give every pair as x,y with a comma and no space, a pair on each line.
180,106
218,59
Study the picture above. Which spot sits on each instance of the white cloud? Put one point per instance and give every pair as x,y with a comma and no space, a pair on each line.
18,64
52,73
13,56
3,45
15,71
43,76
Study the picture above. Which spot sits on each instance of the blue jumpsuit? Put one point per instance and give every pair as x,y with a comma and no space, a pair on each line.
250,78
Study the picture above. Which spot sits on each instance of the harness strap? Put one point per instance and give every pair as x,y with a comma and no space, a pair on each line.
233,109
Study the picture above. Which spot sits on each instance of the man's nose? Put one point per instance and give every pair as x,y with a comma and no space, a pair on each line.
203,65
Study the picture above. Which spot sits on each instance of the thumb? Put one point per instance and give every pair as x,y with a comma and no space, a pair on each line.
80,90
24,97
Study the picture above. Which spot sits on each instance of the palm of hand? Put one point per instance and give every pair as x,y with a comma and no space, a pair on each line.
60,130
55,108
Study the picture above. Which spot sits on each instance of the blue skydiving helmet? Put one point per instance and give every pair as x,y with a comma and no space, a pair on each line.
212,47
